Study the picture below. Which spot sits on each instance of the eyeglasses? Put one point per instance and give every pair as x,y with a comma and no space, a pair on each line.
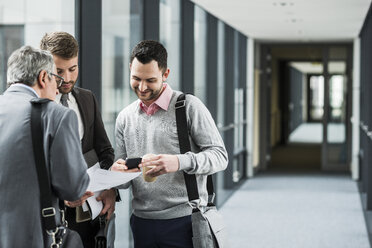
59,79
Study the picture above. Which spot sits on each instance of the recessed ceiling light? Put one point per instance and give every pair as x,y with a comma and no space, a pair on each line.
283,3
293,20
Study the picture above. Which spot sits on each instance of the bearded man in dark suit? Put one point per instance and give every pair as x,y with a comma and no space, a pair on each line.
94,141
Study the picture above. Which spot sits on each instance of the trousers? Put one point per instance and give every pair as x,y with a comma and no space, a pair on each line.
170,233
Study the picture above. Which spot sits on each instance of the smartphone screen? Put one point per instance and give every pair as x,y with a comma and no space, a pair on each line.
132,163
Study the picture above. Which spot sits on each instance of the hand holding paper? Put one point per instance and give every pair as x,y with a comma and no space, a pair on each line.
79,202
103,179
108,198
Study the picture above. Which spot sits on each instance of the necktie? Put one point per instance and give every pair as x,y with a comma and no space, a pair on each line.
64,98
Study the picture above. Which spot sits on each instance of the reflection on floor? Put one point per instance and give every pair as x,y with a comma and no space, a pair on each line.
284,210
313,133
297,157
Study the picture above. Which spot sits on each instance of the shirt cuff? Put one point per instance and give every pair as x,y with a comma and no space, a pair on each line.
185,162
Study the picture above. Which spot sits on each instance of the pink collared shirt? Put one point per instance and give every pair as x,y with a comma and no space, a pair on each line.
162,102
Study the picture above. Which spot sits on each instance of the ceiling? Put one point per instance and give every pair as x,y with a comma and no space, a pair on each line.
292,20
317,68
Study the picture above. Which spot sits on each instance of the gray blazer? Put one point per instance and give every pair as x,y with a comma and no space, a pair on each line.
20,213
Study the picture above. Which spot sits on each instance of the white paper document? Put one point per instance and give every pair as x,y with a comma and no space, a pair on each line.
95,206
104,179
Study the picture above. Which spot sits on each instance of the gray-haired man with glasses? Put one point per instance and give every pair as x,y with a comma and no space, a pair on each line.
31,75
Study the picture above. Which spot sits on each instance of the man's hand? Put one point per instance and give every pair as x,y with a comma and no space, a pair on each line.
108,198
164,163
119,165
79,202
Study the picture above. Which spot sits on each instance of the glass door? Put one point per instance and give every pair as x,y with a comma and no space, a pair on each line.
316,98
335,126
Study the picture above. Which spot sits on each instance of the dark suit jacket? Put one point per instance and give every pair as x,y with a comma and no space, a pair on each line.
95,136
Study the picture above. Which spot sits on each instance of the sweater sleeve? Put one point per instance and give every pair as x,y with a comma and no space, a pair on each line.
203,131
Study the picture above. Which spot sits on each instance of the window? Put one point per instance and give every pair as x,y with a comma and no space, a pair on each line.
200,58
11,38
170,37
121,31
22,22
221,75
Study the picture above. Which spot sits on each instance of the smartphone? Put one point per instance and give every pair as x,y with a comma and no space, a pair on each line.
132,163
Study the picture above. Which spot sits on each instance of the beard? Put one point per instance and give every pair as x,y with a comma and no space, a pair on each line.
149,94
67,87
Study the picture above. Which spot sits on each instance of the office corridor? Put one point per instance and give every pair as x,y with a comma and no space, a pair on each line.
296,211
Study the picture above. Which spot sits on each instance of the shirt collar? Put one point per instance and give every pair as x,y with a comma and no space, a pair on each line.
25,86
162,101
58,97
165,97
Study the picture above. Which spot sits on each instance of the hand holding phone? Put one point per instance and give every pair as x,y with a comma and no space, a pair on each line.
132,163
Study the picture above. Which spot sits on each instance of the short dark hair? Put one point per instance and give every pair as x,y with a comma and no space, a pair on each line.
61,44
148,50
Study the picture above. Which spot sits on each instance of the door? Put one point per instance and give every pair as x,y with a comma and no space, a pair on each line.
336,126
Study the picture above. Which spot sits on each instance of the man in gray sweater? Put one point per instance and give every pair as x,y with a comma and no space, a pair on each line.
161,213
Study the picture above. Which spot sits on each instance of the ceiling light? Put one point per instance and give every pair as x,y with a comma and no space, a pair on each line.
283,4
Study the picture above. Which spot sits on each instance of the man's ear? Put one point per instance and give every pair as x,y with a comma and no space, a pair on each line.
165,74
41,79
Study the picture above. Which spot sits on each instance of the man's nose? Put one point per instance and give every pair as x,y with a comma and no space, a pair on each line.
66,76
142,86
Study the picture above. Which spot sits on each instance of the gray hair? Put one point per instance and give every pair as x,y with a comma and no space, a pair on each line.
25,64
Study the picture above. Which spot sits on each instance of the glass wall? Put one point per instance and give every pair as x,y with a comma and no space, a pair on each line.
121,30
221,75
22,23
200,54
239,108
337,102
316,97
338,69
170,37
119,18
220,101
11,38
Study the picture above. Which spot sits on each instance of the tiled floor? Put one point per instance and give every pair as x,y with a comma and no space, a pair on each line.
296,211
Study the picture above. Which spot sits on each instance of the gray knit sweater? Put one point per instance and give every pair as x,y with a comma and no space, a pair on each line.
138,134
